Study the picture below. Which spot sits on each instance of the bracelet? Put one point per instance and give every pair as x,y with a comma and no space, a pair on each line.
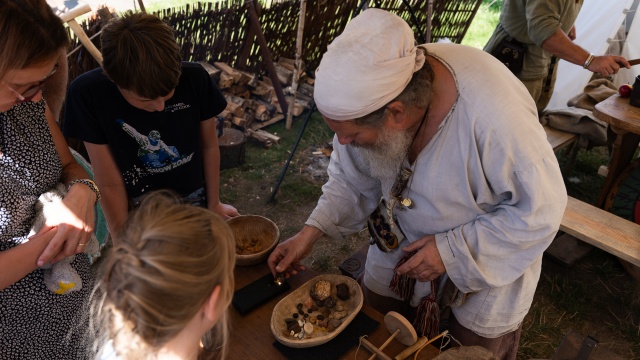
588,61
90,184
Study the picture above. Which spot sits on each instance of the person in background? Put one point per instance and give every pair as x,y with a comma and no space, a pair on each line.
546,28
144,88
167,284
35,323
460,189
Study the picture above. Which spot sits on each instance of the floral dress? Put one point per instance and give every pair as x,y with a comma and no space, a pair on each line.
34,322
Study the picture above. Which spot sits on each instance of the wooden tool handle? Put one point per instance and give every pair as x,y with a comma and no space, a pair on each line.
411,349
369,346
634,62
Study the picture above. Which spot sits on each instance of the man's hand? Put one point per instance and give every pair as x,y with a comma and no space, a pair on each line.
608,64
286,257
426,264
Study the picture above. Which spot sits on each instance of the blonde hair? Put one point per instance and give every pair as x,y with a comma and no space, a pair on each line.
170,258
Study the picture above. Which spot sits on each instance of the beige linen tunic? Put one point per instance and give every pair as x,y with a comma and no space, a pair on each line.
488,185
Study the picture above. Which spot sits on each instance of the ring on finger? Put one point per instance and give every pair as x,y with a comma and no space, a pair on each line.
82,244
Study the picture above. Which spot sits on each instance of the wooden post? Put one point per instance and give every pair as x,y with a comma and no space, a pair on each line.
266,55
429,16
298,63
70,18
142,8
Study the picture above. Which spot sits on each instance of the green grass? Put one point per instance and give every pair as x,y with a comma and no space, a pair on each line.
483,24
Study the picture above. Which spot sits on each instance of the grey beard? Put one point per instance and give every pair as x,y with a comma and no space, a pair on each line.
386,156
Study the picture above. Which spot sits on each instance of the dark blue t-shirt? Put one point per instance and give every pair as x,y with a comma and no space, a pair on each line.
153,150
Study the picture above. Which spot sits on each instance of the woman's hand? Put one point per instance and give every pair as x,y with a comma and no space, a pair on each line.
73,220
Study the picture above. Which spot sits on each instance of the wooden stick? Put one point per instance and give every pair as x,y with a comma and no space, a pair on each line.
415,357
386,342
70,18
411,349
377,352
429,16
298,63
266,55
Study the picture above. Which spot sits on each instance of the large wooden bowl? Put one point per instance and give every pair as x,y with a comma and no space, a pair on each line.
287,306
256,237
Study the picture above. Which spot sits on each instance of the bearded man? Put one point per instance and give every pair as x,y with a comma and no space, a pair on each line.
439,149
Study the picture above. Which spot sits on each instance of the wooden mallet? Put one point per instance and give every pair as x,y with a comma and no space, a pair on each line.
400,329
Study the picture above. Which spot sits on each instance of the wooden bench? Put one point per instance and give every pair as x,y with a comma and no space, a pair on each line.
602,229
559,139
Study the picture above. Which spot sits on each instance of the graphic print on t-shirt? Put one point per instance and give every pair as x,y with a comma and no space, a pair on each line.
155,154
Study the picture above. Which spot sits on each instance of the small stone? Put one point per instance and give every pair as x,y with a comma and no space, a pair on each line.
295,316
343,291
308,303
308,328
339,315
335,323
313,319
321,290
329,302
305,315
320,317
314,308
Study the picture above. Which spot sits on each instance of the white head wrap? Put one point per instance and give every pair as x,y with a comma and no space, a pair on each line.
367,66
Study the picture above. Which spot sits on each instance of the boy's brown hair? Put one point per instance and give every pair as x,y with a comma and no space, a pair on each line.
140,54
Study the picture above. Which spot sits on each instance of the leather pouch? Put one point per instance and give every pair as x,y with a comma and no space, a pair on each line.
511,53
383,234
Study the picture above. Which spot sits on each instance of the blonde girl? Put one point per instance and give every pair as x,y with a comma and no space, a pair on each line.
168,284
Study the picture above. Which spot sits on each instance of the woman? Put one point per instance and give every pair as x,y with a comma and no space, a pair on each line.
36,323
167,283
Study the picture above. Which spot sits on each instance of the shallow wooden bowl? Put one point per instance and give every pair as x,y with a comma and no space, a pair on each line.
287,306
256,237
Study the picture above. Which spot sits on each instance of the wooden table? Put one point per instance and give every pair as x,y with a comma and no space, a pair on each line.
624,121
251,336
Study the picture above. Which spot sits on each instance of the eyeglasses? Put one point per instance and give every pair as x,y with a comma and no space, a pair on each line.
32,91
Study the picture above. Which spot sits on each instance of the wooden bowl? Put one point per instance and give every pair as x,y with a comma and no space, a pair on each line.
287,306
256,237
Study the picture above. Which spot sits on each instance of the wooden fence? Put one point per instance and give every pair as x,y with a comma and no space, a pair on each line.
220,31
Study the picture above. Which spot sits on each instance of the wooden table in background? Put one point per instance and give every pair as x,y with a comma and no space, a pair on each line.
624,121
251,336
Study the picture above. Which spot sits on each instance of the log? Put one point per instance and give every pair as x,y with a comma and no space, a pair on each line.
253,79
262,113
305,89
213,71
225,68
289,64
235,105
262,136
285,76
273,120
226,81
241,122
264,91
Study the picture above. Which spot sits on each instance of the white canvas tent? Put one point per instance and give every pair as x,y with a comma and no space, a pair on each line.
596,25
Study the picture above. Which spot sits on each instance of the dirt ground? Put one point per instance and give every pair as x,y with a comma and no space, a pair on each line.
594,297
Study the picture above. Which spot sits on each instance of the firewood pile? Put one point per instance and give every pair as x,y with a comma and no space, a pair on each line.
252,103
